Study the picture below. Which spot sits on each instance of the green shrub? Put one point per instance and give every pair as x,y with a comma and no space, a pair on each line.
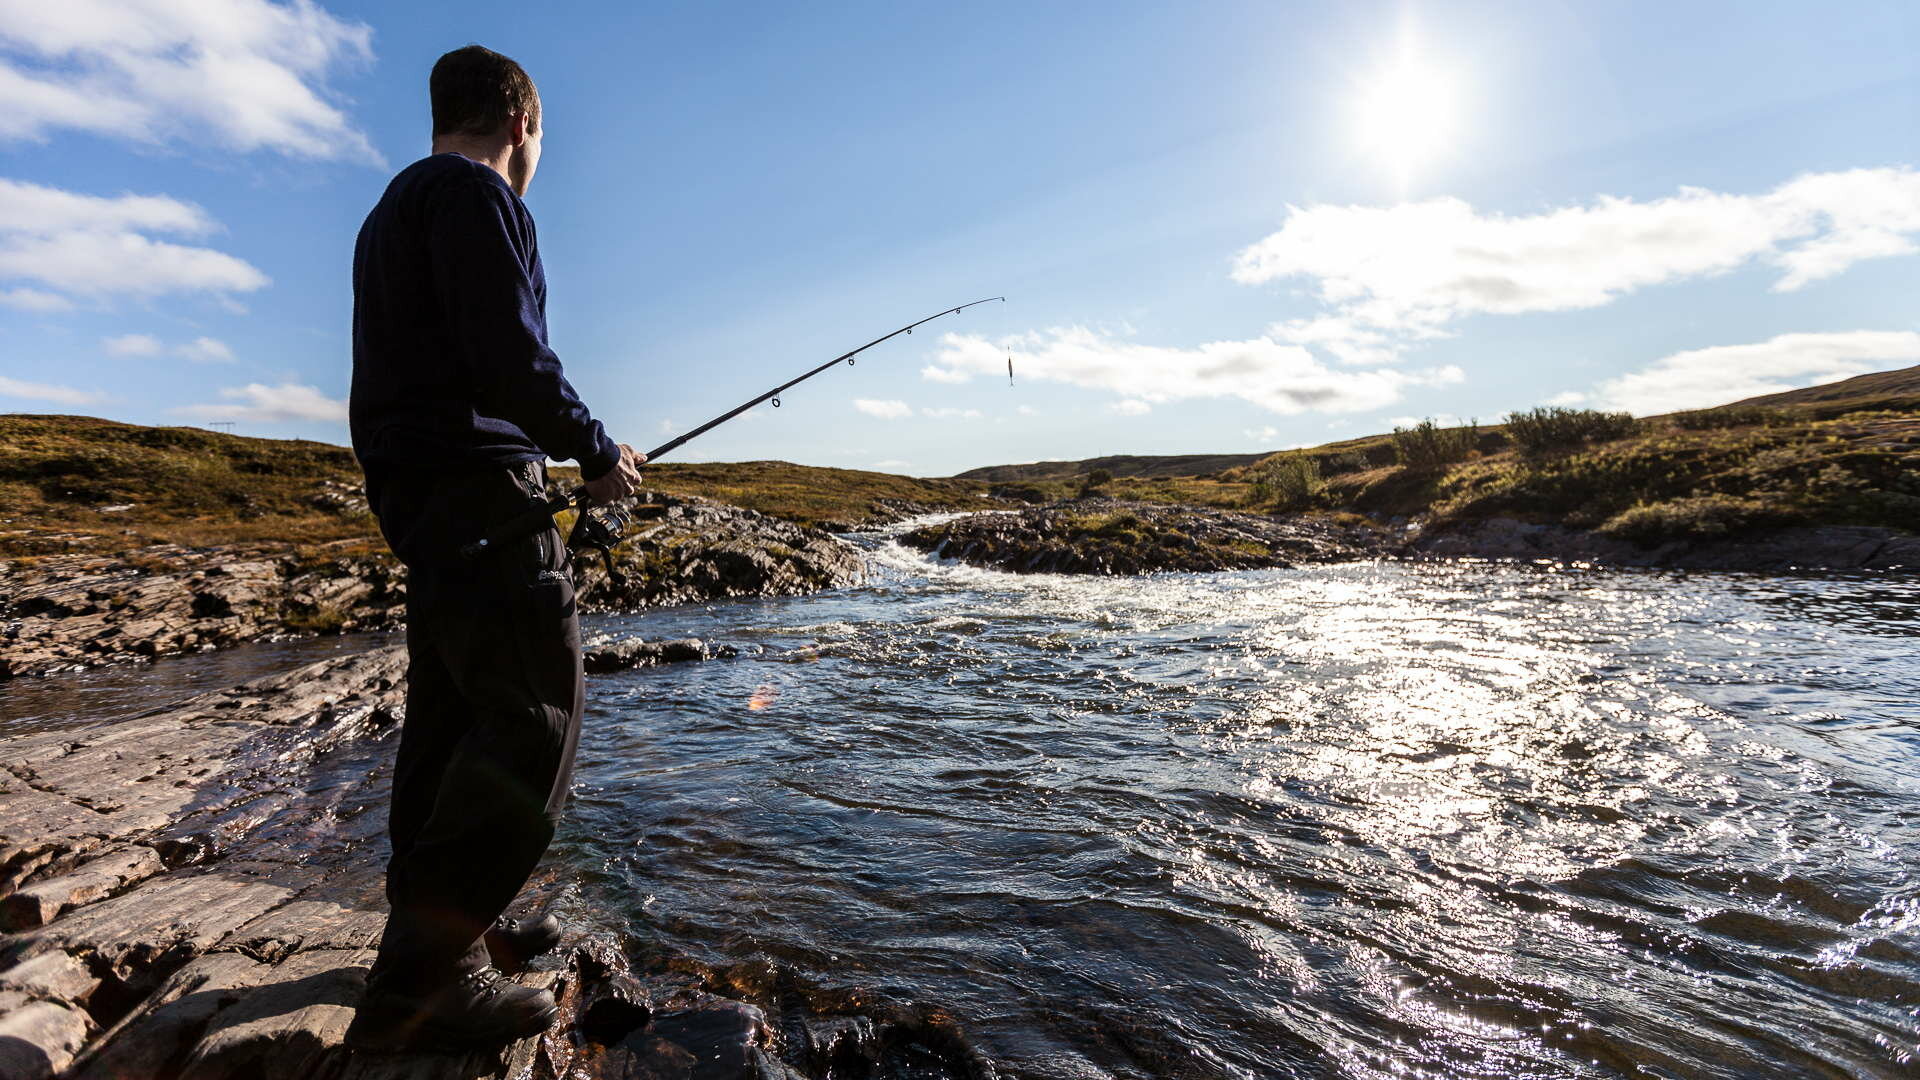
1344,462
1427,445
1694,517
1557,428
1286,481
1728,416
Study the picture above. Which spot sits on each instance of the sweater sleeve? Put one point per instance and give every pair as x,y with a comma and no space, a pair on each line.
483,279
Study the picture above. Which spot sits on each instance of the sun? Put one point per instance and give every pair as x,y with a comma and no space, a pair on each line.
1407,113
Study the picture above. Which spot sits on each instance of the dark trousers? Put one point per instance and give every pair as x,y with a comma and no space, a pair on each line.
494,696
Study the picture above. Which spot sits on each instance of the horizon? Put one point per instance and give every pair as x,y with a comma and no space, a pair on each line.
1231,230
953,475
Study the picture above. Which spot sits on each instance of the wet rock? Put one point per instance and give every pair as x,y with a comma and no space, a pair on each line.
71,611
1098,535
1828,547
634,652
694,550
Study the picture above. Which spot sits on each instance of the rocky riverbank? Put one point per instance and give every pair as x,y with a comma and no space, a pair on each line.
195,893
60,612
1112,536
1826,547
1097,535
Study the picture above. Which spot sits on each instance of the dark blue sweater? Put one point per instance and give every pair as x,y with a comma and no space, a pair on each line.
451,368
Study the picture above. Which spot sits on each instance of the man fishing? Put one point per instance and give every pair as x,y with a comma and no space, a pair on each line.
456,404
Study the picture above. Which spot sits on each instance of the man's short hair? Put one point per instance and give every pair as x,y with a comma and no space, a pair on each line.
475,90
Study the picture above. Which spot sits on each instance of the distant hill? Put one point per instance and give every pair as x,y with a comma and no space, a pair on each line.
1117,464
72,483
1905,381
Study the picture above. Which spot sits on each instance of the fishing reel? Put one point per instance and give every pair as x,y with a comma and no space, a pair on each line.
599,528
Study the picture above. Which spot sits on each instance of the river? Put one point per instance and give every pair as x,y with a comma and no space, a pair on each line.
1367,821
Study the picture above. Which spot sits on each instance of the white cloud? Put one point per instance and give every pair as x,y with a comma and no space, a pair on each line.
1568,398
95,246
270,404
885,410
1724,373
668,427
239,74
1130,407
33,300
950,413
64,395
1388,275
1026,410
889,464
1262,434
205,350
1283,378
1445,420
132,345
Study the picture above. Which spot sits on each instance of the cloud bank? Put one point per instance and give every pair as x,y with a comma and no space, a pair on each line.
1701,378
238,74
1278,377
260,403
63,395
1395,274
885,410
64,244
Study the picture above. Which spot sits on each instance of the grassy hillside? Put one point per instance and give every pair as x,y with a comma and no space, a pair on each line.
1127,465
1879,384
1846,453
81,483
1698,474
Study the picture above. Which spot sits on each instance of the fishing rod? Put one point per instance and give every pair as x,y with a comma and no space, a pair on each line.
599,527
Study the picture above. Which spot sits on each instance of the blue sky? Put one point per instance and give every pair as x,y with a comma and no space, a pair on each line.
1219,226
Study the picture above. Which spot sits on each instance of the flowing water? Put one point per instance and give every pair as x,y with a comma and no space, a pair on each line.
1372,820
1353,821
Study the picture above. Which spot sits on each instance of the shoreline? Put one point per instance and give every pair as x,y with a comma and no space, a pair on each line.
74,612
197,891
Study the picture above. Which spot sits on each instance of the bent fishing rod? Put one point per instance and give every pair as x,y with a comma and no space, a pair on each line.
600,531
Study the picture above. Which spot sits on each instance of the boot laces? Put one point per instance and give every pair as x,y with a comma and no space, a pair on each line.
485,982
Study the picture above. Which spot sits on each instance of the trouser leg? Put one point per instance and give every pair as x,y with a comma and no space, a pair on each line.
481,781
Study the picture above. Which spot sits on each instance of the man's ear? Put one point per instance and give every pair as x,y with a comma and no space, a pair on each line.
517,128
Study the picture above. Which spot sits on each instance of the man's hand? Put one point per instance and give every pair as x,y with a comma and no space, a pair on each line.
620,481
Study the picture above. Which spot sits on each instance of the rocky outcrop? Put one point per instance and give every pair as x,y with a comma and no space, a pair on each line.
1826,547
60,612
1097,535
196,893
695,550
67,611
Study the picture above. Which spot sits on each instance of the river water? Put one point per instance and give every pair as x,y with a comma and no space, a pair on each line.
1367,821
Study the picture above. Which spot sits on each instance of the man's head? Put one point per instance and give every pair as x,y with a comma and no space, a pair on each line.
482,99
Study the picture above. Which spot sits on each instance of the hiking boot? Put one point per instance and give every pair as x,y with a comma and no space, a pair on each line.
477,1010
513,942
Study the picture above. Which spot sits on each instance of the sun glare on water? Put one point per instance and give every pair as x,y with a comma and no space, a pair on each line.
1407,113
